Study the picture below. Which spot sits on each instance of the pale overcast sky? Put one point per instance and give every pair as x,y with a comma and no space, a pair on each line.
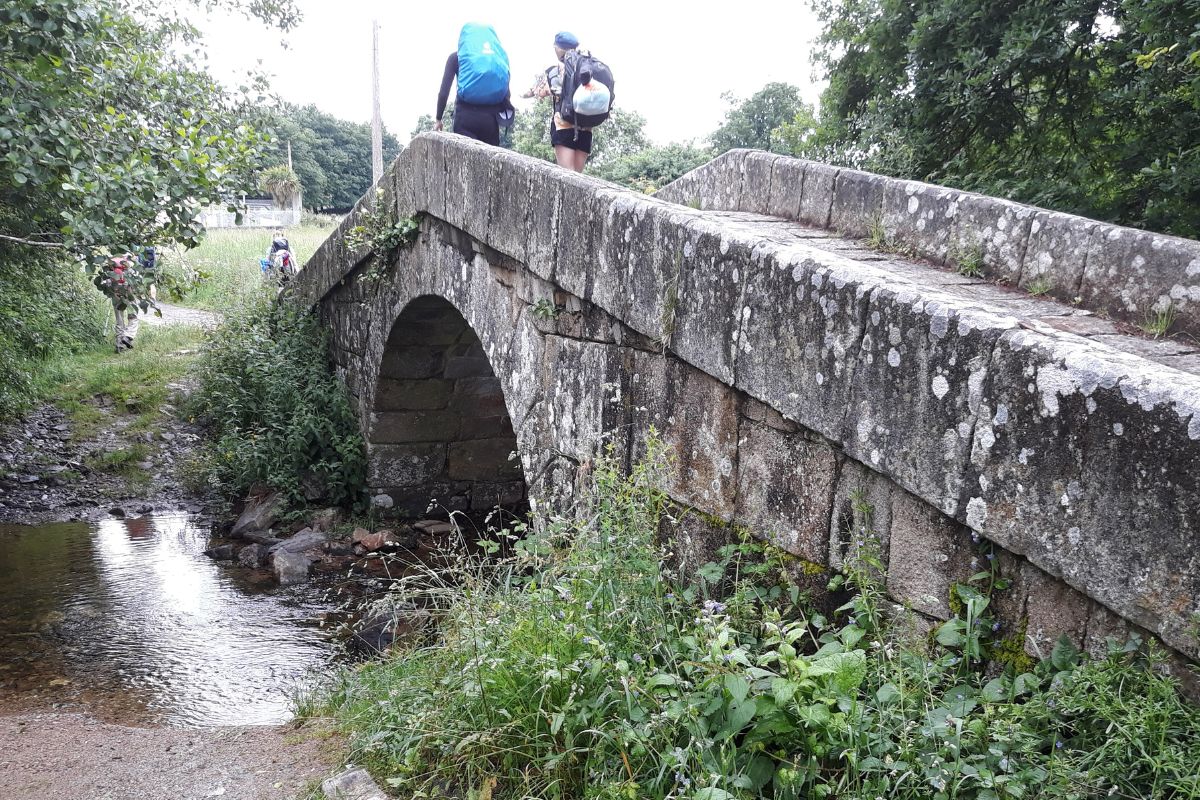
671,60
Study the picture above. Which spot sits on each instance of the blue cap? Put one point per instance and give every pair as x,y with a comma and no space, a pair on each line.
566,40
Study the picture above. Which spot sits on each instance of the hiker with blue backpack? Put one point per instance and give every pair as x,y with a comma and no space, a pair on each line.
582,88
480,66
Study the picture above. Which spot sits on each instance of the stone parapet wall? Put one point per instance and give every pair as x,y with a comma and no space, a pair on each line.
1124,273
788,378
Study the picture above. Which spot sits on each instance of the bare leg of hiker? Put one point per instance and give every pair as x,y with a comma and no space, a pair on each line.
565,156
580,160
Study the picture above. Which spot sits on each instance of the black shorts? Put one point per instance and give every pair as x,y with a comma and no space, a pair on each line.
566,138
477,122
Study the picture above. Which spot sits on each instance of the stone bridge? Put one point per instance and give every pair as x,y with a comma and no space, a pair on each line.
811,342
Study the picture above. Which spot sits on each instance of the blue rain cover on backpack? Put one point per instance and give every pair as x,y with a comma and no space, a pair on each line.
483,73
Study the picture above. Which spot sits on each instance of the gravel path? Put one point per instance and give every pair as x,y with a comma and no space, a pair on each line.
55,756
178,315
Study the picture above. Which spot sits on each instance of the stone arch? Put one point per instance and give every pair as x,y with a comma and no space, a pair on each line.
440,432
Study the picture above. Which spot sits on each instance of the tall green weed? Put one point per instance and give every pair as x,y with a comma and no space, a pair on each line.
584,667
280,417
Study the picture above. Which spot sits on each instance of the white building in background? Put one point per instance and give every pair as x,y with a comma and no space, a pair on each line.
258,213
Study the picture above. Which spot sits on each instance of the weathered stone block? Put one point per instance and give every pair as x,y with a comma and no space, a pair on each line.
784,490
757,169
545,217
916,389
761,412
509,203
482,460
921,216
862,514
635,266
418,395
429,173
467,367
1052,610
581,409
927,554
696,417
817,198
705,315
405,464
693,539
486,427
403,427
993,232
585,203
411,363
720,182
787,187
857,202
1087,461
486,496
803,313
1057,253
1132,274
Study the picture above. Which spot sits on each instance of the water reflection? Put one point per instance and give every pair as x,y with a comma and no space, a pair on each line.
129,617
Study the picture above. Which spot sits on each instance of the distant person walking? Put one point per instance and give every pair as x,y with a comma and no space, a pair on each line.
480,68
582,88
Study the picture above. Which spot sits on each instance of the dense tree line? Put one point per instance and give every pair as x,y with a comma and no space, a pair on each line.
1090,106
331,156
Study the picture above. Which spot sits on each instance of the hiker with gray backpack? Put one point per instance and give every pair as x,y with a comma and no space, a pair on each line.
582,88
480,67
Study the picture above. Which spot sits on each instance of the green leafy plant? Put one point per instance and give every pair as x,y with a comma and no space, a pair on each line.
379,231
1039,286
279,416
587,666
968,261
1159,323
546,309
281,183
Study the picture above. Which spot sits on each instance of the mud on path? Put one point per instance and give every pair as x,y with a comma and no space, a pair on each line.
51,756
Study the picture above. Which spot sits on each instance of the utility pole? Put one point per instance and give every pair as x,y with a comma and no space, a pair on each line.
376,120
289,154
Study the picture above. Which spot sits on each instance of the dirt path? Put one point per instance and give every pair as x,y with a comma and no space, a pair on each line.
178,315
54,756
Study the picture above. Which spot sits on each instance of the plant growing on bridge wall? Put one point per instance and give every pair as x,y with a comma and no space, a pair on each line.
381,232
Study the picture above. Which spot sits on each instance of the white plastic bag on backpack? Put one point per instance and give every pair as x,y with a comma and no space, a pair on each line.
592,98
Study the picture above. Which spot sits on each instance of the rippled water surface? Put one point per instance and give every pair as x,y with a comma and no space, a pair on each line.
130,619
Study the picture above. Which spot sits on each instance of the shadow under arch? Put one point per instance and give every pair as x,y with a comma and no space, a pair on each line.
440,434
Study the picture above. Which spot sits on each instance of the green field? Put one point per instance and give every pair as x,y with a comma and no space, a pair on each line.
226,262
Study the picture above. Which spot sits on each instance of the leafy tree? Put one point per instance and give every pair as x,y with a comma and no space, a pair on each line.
331,156
1089,106
754,121
651,169
112,135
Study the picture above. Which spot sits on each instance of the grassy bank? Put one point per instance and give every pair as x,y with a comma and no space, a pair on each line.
135,381
584,667
228,258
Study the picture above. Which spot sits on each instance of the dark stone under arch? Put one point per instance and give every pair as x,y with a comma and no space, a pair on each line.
440,432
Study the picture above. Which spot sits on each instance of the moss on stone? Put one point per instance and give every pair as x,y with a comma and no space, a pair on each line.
1010,652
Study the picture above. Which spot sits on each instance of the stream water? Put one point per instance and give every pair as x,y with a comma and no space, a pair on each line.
129,619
